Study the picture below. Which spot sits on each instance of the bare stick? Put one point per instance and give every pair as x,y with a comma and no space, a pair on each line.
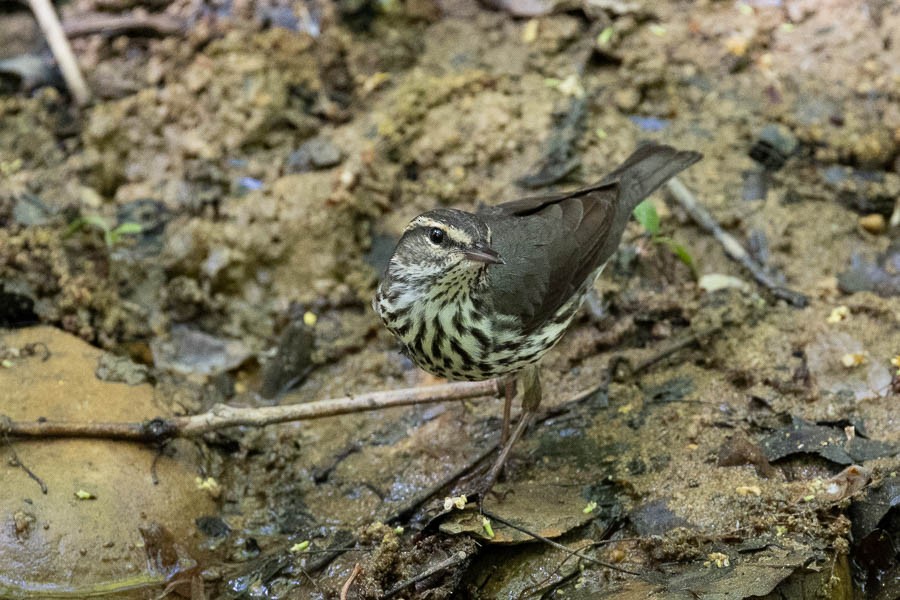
556,545
345,589
456,559
733,248
221,416
53,31
112,25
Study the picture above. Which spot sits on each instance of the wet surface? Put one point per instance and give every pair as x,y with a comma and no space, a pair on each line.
245,177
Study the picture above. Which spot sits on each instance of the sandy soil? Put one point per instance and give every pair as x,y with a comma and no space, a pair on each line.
271,165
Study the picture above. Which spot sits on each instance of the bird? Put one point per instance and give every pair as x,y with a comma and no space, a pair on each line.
478,295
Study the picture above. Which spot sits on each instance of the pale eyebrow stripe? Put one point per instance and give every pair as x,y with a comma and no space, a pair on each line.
455,234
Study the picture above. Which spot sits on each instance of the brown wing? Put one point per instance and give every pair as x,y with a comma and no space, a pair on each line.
550,246
552,243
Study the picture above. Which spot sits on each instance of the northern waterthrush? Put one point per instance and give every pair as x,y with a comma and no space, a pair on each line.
479,295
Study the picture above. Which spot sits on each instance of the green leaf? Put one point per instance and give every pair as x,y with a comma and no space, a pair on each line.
79,223
605,36
128,228
646,215
680,251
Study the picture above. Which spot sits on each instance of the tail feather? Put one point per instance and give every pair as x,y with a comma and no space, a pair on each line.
642,173
646,170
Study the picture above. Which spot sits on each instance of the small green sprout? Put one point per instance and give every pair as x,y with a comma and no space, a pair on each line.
646,215
300,547
605,36
591,507
84,495
488,530
112,236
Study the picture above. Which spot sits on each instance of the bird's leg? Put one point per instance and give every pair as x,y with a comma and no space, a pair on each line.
510,393
530,388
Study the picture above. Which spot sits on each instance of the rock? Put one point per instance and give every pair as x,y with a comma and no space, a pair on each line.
317,153
56,542
627,99
873,223
824,357
122,369
29,210
191,351
861,191
293,361
774,145
712,282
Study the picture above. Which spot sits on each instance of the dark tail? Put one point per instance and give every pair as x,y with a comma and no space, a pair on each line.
642,173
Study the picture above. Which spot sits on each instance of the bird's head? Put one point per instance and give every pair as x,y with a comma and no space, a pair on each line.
443,242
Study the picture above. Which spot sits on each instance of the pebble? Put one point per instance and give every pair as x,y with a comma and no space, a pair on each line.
873,223
627,99
316,153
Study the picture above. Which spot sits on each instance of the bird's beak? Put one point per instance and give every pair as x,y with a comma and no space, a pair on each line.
484,254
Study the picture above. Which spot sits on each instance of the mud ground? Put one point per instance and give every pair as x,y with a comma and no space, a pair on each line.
270,155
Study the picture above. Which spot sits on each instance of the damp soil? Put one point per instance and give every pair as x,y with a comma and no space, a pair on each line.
211,228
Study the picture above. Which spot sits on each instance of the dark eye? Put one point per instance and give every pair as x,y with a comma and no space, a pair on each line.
436,235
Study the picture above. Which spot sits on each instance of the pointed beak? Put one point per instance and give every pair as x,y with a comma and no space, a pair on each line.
484,254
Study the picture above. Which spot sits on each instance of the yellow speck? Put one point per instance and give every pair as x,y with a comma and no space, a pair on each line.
625,409
240,387
530,31
591,507
780,530
457,501
851,360
7,364
486,524
692,446
719,559
605,36
787,27
299,547
896,362
838,314
809,498
208,485
398,530
657,29
83,495
601,133
737,45
746,490
309,318
571,86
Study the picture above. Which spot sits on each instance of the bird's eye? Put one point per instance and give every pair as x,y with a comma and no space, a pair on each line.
436,235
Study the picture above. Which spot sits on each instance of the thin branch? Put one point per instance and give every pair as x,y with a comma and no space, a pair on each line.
345,589
112,25
456,559
556,545
732,247
221,416
15,461
62,51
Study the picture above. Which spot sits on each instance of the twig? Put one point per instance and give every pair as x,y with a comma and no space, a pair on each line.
161,429
673,347
556,545
448,563
112,25
17,462
59,44
732,247
345,589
